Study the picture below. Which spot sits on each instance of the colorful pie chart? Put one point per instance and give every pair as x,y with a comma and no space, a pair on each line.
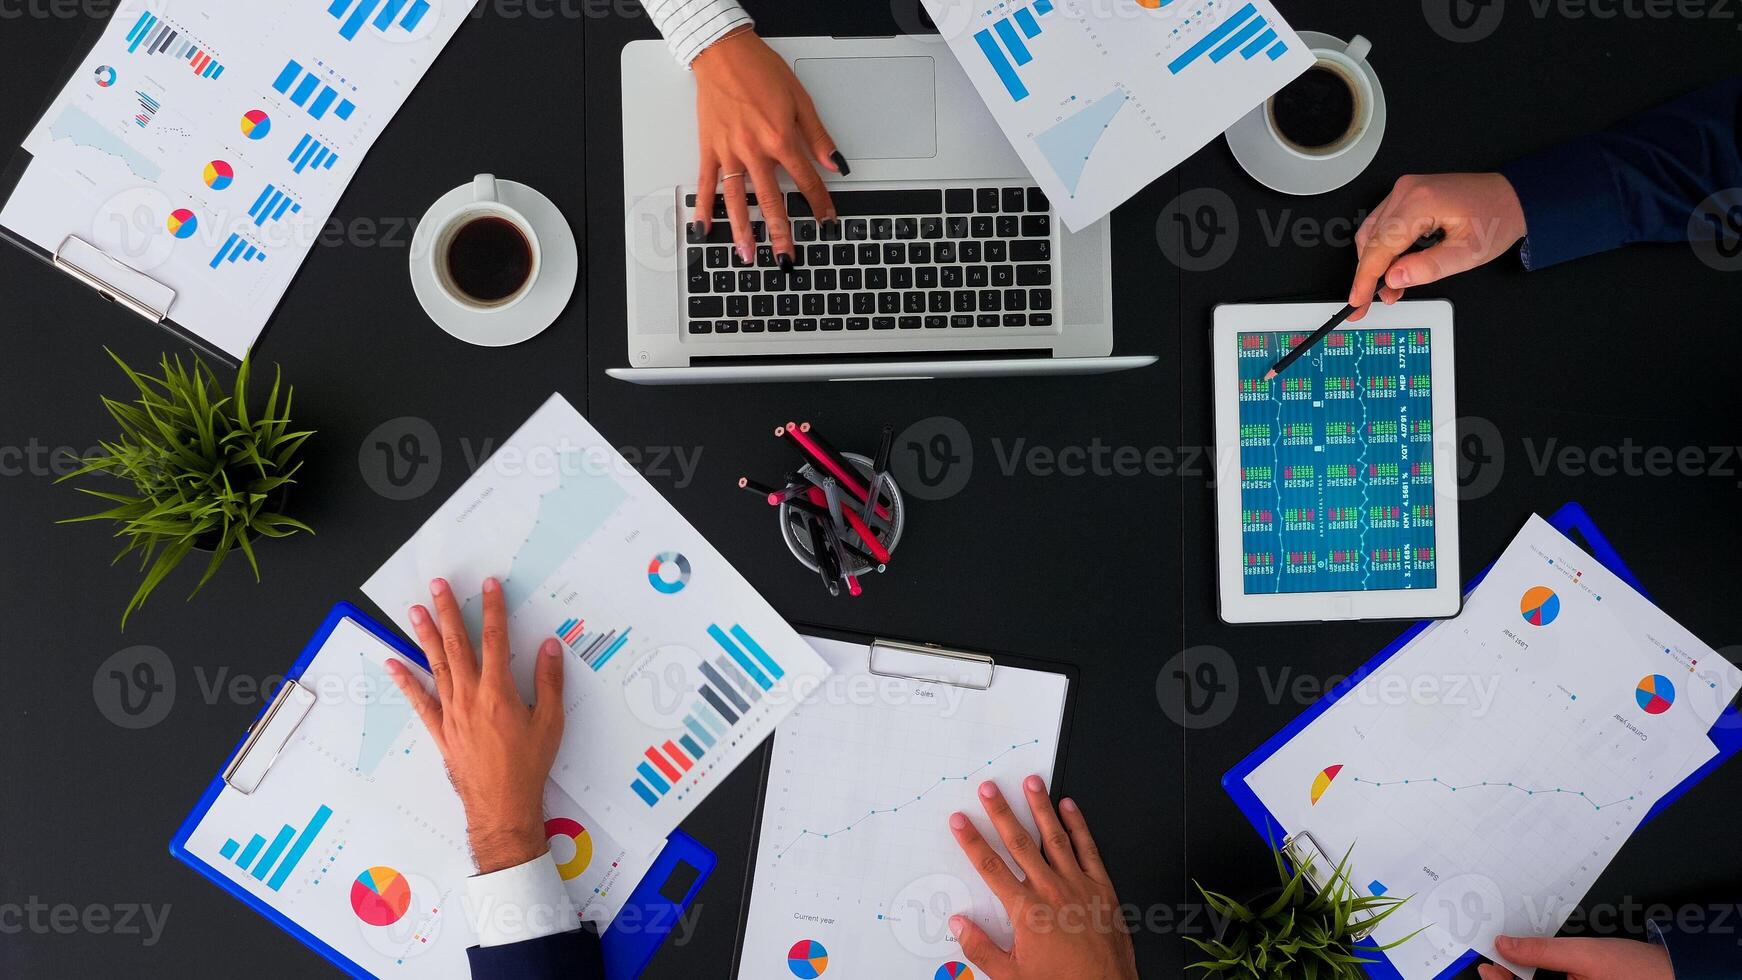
1655,694
380,896
219,175
182,223
1322,782
1540,605
256,124
105,76
563,828
954,970
669,572
807,959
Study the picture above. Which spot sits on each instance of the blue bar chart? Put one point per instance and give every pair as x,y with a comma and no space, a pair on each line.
1244,31
302,84
279,857
272,205
595,649
238,249
383,16
312,154
1005,45
734,681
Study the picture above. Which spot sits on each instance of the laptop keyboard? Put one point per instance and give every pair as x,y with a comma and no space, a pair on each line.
911,259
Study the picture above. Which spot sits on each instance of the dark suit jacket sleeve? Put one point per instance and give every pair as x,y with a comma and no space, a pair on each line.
570,955
1639,182
1708,954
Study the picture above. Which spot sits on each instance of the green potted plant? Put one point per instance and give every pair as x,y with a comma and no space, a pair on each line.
1301,933
207,471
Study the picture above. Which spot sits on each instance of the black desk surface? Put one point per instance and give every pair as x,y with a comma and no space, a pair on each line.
1610,353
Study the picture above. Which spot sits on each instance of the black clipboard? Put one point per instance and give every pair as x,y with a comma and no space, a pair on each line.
952,655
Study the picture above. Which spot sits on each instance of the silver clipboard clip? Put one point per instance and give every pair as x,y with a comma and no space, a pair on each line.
932,664
114,280
268,736
1304,852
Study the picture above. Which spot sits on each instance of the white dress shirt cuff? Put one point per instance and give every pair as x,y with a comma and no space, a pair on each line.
690,26
524,902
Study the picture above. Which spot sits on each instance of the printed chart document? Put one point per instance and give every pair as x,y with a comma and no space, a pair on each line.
856,869
206,142
357,836
1100,97
676,669
1494,767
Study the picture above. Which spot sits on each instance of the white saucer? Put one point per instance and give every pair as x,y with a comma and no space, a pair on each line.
1276,168
532,315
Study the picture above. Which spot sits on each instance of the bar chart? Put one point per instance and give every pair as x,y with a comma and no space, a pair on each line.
272,205
388,15
238,249
314,92
1245,31
152,35
1005,45
279,856
735,680
312,154
148,107
594,648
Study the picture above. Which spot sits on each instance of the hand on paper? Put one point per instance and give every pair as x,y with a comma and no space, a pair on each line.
1479,213
498,751
1584,959
1065,911
755,116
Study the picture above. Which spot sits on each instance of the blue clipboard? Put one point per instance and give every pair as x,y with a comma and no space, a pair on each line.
648,917
1572,521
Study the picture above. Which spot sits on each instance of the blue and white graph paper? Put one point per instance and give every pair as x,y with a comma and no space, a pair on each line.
1100,97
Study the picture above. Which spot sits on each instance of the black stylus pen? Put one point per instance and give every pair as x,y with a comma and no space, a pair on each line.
1423,243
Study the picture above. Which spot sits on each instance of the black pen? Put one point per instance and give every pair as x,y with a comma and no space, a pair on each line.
878,468
1423,243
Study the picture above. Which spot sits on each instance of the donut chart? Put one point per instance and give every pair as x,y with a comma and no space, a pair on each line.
668,572
380,896
807,959
572,830
1540,605
106,76
1655,694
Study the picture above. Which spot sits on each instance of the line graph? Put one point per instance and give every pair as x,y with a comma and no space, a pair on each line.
942,780
1436,781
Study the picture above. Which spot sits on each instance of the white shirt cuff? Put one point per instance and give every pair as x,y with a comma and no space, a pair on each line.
524,902
690,26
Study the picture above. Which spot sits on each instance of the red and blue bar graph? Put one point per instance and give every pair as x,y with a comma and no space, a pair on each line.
156,36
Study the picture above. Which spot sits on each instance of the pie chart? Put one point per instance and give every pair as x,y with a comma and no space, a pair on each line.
380,896
256,124
219,175
1655,694
1322,782
182,223
955,970
807,959
1540,605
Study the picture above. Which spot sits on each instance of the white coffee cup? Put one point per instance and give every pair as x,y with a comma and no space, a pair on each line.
1350,64
486,203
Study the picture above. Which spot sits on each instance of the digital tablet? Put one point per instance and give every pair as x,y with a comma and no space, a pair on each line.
1336,491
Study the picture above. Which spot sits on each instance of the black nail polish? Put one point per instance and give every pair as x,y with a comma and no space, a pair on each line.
840,163
784,261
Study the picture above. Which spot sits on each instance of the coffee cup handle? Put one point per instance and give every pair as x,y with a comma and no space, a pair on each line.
1358,48
484,188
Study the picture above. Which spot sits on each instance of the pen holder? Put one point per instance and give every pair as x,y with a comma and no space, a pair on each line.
888,532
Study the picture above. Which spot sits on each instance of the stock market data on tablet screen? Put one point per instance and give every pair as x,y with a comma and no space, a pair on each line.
1336,463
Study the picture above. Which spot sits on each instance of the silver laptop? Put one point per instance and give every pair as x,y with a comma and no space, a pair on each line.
947,260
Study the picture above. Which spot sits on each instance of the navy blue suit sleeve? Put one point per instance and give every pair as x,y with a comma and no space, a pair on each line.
573,955
1707,955
1638,182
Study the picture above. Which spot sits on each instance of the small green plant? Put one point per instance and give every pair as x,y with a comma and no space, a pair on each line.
206,471
1299,935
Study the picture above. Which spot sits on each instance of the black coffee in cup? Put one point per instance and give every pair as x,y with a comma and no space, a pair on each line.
1317,112
489,259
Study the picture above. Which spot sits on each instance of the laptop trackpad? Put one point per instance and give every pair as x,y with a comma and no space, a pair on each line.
876,108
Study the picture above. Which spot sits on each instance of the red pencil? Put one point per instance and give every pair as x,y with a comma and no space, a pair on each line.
863,530
840,472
